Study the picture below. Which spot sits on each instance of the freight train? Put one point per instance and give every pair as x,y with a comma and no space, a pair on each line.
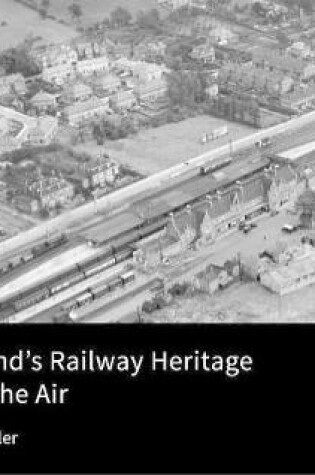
79,272
34,253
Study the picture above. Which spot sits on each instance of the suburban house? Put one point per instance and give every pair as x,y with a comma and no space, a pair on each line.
91,66
43,101
246,77
275,60
77,92
124,99
87,110
300,98
59,74
108,84
55,55
51,191
204,53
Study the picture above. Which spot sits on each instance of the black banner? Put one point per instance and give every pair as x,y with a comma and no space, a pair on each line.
142,398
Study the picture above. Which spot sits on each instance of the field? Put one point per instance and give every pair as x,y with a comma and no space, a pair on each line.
97,10
14,222
156,149
22,21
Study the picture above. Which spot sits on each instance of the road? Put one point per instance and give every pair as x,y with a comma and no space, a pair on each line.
153,182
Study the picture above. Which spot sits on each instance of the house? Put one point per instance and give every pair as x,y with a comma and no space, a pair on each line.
97,65
108,84
43,101
215,277
77,92
97,175
26,204
292,275
43,132
300,50
244,76
124,99
55,55
87,110
299,99
222,35
147,71
51,191
204,53
150,90
13,83
84,49
59,74
150,51
275,60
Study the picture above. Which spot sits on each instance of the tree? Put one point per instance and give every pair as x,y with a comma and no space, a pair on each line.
46,4
43,13
120,17
186,88
18,60
75,11
150,19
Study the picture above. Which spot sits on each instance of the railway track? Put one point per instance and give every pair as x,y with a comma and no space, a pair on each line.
79,273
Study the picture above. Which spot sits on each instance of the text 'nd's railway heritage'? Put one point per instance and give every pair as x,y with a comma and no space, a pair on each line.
84,361
157,162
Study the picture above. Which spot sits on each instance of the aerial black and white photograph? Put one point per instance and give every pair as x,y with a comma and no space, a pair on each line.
157,161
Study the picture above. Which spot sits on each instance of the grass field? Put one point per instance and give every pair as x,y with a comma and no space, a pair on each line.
97,10
23,21
156,149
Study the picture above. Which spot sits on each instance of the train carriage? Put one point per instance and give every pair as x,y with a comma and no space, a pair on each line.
114,284
95,269
31,299
128,277
66,281
70,305
84,299
123,255
100,291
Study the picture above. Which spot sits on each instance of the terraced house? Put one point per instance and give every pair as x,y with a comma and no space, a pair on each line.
87,110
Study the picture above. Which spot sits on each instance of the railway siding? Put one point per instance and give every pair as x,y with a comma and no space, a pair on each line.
58,299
